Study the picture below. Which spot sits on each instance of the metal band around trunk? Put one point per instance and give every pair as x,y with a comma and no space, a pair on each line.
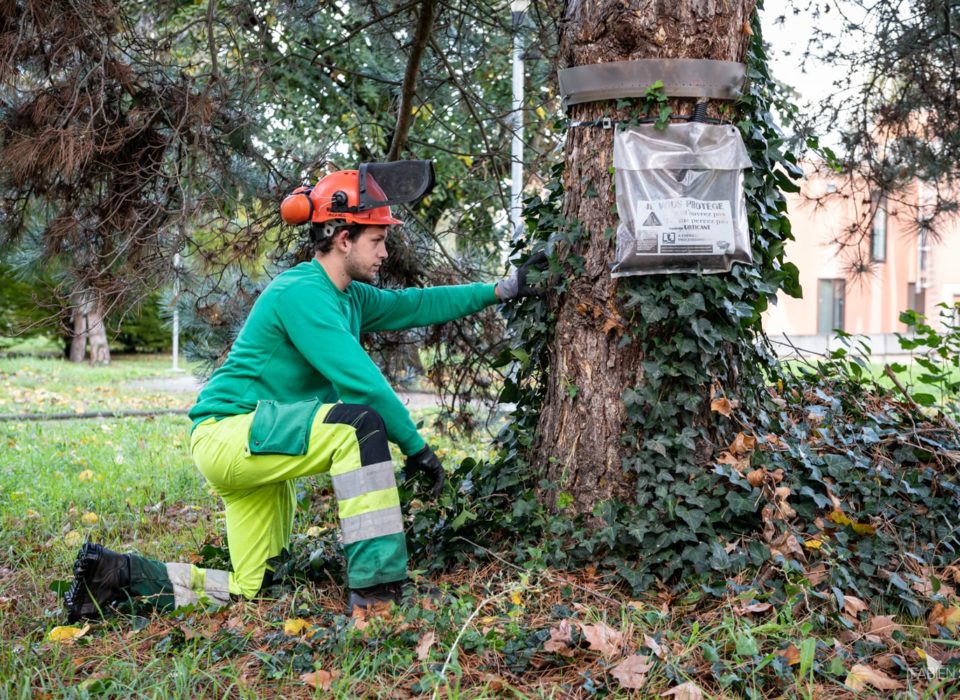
682,77
373,477
366,526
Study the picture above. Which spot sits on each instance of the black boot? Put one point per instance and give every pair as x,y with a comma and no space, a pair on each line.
364,598
101,578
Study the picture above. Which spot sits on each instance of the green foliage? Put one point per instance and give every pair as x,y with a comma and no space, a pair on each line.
696,516
938,382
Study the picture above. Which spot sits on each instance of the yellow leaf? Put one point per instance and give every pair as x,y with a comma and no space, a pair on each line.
67,633
466,160
541,112
813,544
860,676
73,539
90,518
515,598
85,475
315,531
296,626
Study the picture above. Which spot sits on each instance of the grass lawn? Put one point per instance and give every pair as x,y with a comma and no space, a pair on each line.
496,631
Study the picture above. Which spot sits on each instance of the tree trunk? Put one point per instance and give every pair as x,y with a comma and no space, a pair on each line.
579,443
88,326
78,342
99,348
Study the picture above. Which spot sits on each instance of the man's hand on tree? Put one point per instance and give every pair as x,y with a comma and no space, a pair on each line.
427,463
515,286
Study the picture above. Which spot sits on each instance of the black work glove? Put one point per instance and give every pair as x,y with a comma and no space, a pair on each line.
515,286
427,463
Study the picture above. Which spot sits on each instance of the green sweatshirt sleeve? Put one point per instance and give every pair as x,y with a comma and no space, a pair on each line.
321,333
394,310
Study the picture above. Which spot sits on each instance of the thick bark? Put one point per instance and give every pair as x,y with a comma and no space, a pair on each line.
88,327
78,341
579,435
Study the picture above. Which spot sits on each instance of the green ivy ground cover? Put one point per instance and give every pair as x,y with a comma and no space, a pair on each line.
497,630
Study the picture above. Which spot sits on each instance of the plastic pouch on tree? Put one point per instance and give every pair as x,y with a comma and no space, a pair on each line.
680,199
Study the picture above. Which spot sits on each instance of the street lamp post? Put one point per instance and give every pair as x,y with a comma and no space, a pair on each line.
177,264
518,10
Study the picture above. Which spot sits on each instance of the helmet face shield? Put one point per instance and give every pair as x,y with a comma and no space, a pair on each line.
399,182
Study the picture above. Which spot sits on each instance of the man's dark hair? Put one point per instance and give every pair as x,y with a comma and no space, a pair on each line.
324,244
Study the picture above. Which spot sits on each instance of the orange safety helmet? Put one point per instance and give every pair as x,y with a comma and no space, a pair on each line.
336,201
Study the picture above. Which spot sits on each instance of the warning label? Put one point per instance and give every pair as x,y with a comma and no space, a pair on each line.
684,226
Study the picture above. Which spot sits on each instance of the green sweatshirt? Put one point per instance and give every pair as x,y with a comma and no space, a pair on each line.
302,340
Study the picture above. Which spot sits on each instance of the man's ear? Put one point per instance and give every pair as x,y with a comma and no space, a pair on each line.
341,240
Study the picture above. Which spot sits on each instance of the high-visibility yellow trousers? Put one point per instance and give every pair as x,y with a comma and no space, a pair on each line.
350,442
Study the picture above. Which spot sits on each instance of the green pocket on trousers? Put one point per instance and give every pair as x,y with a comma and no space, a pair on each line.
282,428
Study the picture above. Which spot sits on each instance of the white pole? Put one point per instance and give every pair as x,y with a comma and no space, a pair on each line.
176,312
518,9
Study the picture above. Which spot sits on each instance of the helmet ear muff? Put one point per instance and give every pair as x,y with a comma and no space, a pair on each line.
297,208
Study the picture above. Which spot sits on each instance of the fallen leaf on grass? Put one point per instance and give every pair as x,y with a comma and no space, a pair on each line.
602,638
73,539
85,475
90,518
561,639
752,608
654,646
319,679
423,647
632,671
67,633
933,664
941,616
860,676
882,627
295,627
684,691
853,606
792,655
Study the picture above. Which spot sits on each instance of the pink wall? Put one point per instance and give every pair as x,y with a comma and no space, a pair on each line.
874,300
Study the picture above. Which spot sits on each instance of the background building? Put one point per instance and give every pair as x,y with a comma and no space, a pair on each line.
894,258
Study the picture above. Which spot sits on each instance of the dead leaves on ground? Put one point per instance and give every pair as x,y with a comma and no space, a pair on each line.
860,676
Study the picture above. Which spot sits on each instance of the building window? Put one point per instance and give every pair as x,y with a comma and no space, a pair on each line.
830,303
878,232
916,298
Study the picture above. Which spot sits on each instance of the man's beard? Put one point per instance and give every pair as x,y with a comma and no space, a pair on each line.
357,272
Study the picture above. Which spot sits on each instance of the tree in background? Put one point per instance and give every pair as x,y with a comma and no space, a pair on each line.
895,71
